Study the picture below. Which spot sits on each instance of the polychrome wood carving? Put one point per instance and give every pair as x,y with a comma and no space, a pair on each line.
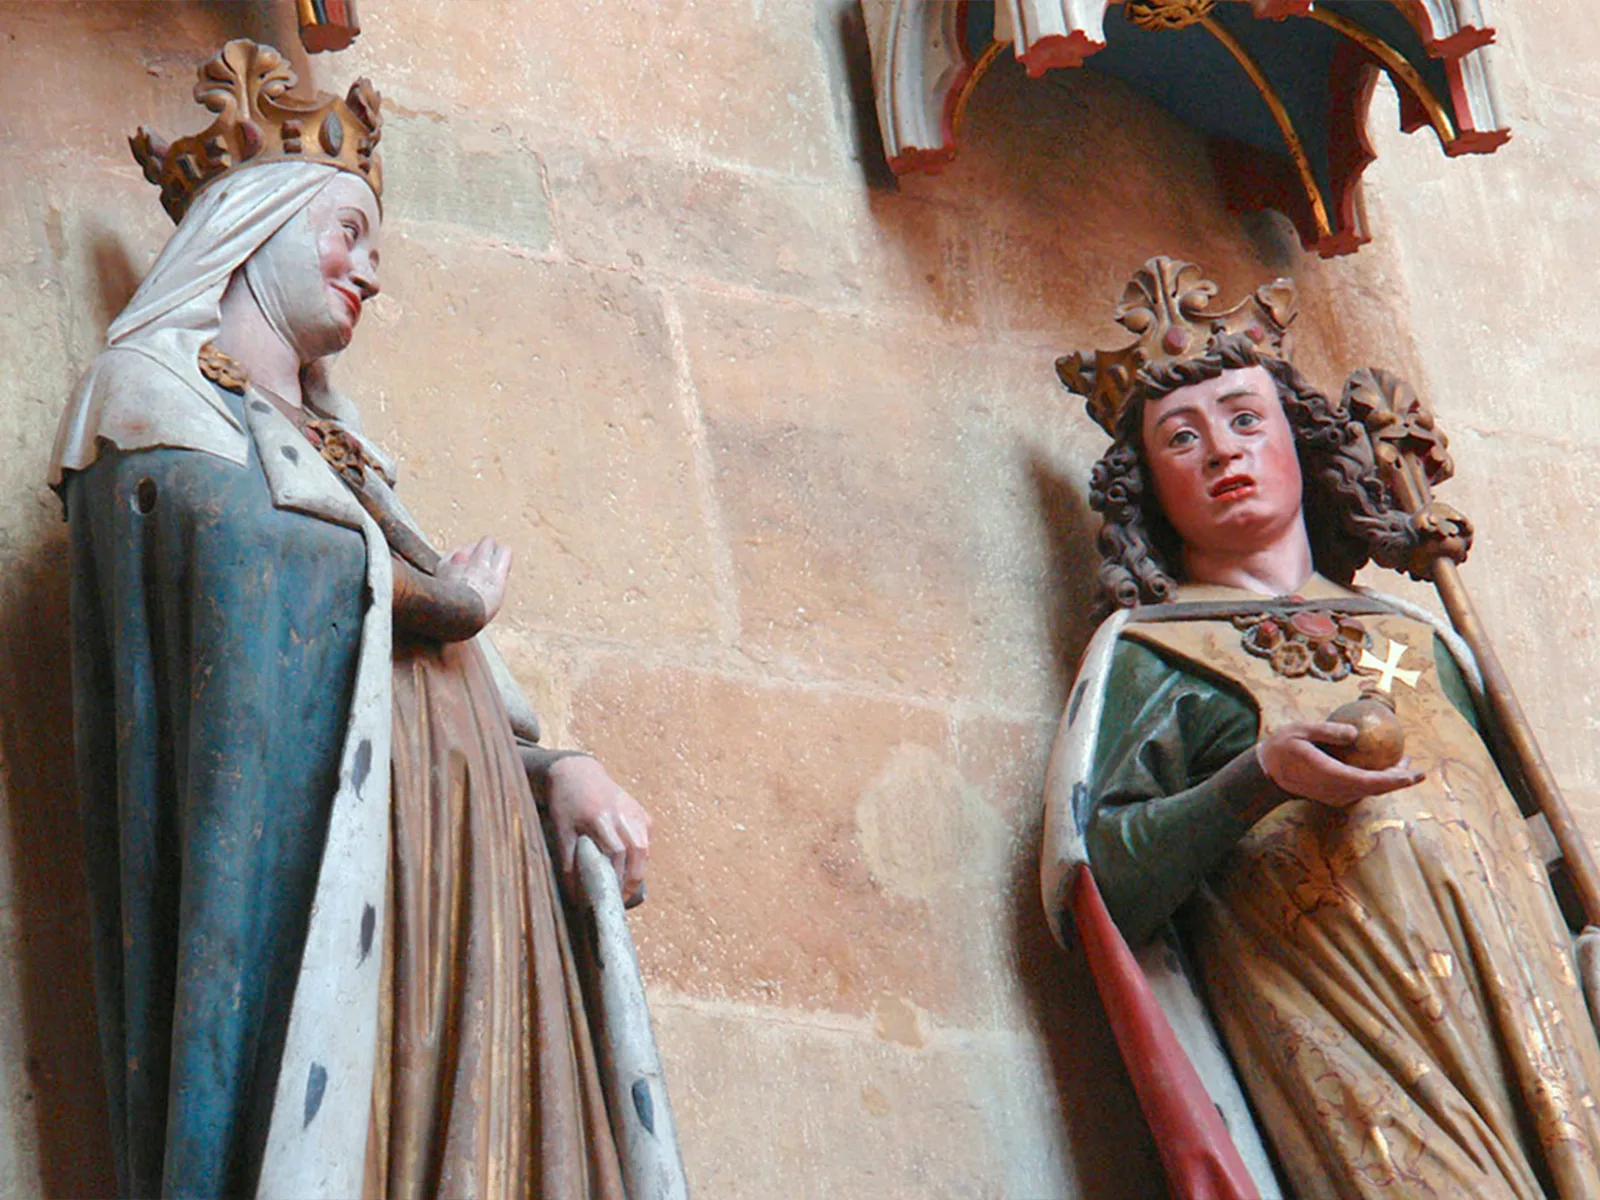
1336,849
330,948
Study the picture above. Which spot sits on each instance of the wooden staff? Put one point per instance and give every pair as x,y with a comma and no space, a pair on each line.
1412,455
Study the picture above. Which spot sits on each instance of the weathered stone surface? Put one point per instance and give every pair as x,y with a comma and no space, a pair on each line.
543,411
1038,592
1492,257
1530,591
679,76
712,224
656,214
964,1115
481,180
831,445
132,64
1528,44
844,457
543,669
1068,149
67,269
813,848
898,508
1122,180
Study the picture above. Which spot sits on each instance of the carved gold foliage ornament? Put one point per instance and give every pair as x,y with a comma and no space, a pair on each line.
1400,423
1167,14
1167,305
341,451
247,85
1414,456
223,369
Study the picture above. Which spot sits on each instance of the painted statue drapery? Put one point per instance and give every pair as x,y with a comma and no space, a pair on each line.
209,719
210,716
484,1025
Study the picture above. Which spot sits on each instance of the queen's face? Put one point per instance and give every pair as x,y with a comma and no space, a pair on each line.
345,222
1222,457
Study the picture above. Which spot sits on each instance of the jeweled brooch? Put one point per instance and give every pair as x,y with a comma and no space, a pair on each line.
1323,645
342,452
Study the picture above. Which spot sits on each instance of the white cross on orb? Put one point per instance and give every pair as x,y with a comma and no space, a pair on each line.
1389,669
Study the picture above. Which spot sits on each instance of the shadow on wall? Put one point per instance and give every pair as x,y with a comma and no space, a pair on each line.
1076,602
114,269
50,901
1112,1153
852,87
66,1098
1111,1148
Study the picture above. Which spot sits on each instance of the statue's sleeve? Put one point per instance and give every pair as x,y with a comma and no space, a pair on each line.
1454,684
1176,784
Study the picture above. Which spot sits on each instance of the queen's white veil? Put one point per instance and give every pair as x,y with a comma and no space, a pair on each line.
145,388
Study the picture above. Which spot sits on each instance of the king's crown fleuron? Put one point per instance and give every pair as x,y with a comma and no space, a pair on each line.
247,85
1167,305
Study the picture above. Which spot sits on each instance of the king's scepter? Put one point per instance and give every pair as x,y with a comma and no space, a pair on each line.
1413,457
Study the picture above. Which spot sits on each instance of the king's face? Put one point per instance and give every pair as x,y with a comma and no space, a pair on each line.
1222,458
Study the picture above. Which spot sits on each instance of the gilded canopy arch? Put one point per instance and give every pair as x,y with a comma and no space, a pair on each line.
1281,87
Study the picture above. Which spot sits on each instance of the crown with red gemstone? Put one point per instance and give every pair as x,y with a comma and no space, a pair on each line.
247,85
1167,305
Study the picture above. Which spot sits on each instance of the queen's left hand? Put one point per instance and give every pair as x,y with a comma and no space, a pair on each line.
583,799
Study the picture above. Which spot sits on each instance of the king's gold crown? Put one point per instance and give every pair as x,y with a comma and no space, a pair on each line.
1167,305
247,85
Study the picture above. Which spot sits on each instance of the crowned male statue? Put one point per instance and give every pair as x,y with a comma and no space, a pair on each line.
1298,776
330,958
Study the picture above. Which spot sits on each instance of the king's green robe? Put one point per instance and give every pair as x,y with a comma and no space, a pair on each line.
1163,817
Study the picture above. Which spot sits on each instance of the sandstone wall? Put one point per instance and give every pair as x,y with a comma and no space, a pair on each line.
797,503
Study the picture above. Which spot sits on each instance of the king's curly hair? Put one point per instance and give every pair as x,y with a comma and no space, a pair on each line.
1350,516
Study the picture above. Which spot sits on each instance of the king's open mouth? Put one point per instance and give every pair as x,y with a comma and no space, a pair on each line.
1233,487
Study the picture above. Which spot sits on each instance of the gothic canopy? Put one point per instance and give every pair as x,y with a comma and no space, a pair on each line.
1281,87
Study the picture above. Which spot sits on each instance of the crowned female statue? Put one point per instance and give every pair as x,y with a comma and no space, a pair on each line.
1379,945
330,958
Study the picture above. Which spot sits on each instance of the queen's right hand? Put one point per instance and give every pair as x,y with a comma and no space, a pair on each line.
1293,759
585,801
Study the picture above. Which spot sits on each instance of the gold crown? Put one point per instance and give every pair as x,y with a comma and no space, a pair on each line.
247,86
1166,305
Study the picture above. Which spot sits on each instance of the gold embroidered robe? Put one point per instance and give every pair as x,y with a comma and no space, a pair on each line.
1393,979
